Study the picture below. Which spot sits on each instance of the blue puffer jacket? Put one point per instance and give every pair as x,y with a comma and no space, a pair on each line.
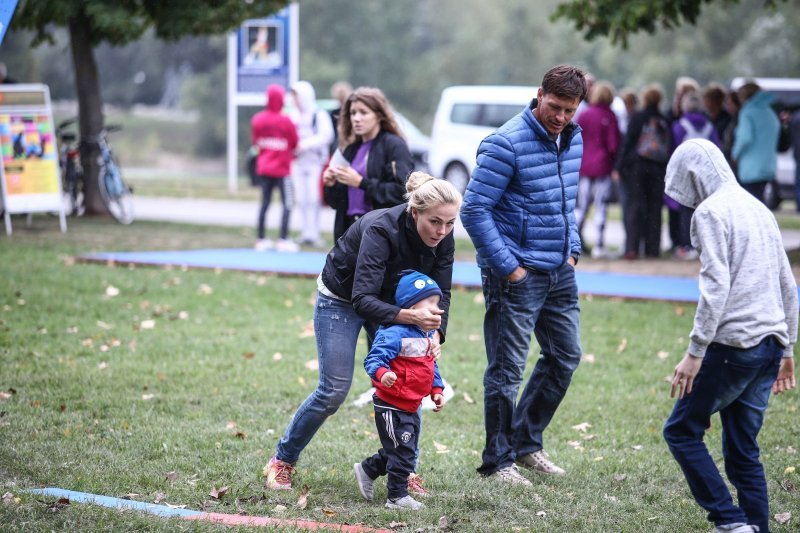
519,205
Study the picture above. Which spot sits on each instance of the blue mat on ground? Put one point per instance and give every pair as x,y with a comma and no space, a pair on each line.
465,274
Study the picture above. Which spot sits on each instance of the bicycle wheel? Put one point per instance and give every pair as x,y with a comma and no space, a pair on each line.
117,196
73,195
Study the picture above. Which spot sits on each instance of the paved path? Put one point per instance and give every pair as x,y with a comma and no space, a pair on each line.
243,213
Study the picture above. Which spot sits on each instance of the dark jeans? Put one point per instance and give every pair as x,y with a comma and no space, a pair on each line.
642,202
399,433
736,382
680,225
545,304
284,185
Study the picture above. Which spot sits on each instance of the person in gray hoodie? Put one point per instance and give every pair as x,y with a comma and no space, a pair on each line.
742,342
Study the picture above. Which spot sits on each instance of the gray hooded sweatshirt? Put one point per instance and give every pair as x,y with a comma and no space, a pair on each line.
747,290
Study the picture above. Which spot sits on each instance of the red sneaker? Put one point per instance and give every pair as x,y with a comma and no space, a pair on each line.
278,475
415,486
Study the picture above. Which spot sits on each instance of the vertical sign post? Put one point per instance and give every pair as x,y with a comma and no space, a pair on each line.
261,52
29,172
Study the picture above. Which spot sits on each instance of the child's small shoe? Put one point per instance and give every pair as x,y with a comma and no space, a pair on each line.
406,502
364,481
415,486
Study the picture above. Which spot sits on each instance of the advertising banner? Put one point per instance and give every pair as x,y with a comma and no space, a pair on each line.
29,172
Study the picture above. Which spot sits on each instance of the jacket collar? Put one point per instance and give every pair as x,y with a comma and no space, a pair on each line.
566,136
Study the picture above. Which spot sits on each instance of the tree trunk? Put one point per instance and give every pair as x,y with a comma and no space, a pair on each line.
90,109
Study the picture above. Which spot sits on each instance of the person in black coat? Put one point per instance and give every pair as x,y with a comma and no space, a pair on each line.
356,290
378,160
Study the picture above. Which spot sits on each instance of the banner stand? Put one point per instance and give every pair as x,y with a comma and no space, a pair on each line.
29,174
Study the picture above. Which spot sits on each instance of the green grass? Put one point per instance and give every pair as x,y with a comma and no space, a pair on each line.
103,405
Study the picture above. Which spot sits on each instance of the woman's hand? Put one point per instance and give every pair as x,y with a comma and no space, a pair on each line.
436,347
426,319
348,176
329,177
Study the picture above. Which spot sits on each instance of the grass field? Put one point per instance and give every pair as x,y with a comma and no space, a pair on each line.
112,377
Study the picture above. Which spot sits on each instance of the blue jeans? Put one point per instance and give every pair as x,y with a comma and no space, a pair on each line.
545,304
336,327
736,382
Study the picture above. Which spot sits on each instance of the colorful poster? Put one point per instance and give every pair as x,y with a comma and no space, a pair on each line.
265,52
29,154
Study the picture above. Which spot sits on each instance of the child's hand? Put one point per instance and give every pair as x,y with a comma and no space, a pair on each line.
388,379
438,400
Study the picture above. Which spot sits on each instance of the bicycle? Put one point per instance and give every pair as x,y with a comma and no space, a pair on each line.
116,194
69,160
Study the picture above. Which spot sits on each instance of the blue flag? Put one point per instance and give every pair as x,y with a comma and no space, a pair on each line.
6,10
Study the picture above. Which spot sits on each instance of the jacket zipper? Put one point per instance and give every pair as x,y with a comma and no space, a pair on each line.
563,203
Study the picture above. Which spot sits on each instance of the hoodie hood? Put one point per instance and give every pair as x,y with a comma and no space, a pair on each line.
275,96
696,170
306,97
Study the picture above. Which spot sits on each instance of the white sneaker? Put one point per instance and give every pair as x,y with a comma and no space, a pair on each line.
510,474
263,245
406,502
285,245
540,462
364,482
598,252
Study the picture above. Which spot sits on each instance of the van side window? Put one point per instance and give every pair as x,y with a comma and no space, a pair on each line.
487,115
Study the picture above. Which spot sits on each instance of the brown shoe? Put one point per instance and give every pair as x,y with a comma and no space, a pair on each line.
540,462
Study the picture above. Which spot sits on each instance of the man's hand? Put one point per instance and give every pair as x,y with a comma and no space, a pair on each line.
785,380
517,274
388,379
571,260
438,400
684,375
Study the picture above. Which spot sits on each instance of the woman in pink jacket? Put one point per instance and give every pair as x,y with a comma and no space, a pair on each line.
601,139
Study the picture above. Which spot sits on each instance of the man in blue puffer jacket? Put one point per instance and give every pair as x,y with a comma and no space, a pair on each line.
518,210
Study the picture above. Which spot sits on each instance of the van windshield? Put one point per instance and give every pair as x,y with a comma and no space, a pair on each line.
487,115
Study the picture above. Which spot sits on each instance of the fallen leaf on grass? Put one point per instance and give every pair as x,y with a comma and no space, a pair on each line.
249,355
582,427
788,486
312,364
230,425
4,395
301,380
130,496
619,478
541,514
308,331
478,298
444,523
205,289
662,354
473,337
789,470
610,498
468,398
783,518
622,345
175,506
240,435
171,476
112,291
439,447
8,498
103,325
588,437
679,311
277,356
637,447
588,357
148,324
397,525
159,497
328,512
302,501
72,329
148,396
217,494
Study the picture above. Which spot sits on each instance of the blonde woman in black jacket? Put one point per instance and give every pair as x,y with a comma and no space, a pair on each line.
378,156
356,290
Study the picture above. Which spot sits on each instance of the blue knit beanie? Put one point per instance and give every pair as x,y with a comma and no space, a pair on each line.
413,287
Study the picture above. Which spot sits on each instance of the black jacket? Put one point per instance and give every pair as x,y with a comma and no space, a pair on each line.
388,165
627,158
365,264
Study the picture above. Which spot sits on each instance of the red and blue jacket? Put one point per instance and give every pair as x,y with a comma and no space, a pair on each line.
406,351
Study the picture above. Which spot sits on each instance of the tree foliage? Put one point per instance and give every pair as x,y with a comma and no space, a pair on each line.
619,19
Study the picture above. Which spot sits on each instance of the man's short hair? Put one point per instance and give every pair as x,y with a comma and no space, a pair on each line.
565,81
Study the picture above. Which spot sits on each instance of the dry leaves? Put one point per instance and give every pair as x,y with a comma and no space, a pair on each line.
783,518
440,448
277,356
249,355
217,494
171,476
468,398
159,497
302,501
312,364
148,396
662,354
789,470
582,427
205,289
112,291
622,345
588,357
148,324
328,512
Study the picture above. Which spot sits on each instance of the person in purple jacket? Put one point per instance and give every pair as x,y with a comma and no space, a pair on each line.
600,143
693,123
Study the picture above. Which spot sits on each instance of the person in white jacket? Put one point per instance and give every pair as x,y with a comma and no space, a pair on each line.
315,130
742,343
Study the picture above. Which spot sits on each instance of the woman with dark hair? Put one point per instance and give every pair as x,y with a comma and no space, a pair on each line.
377,160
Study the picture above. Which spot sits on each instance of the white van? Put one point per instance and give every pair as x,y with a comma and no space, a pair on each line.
465,116
787,97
